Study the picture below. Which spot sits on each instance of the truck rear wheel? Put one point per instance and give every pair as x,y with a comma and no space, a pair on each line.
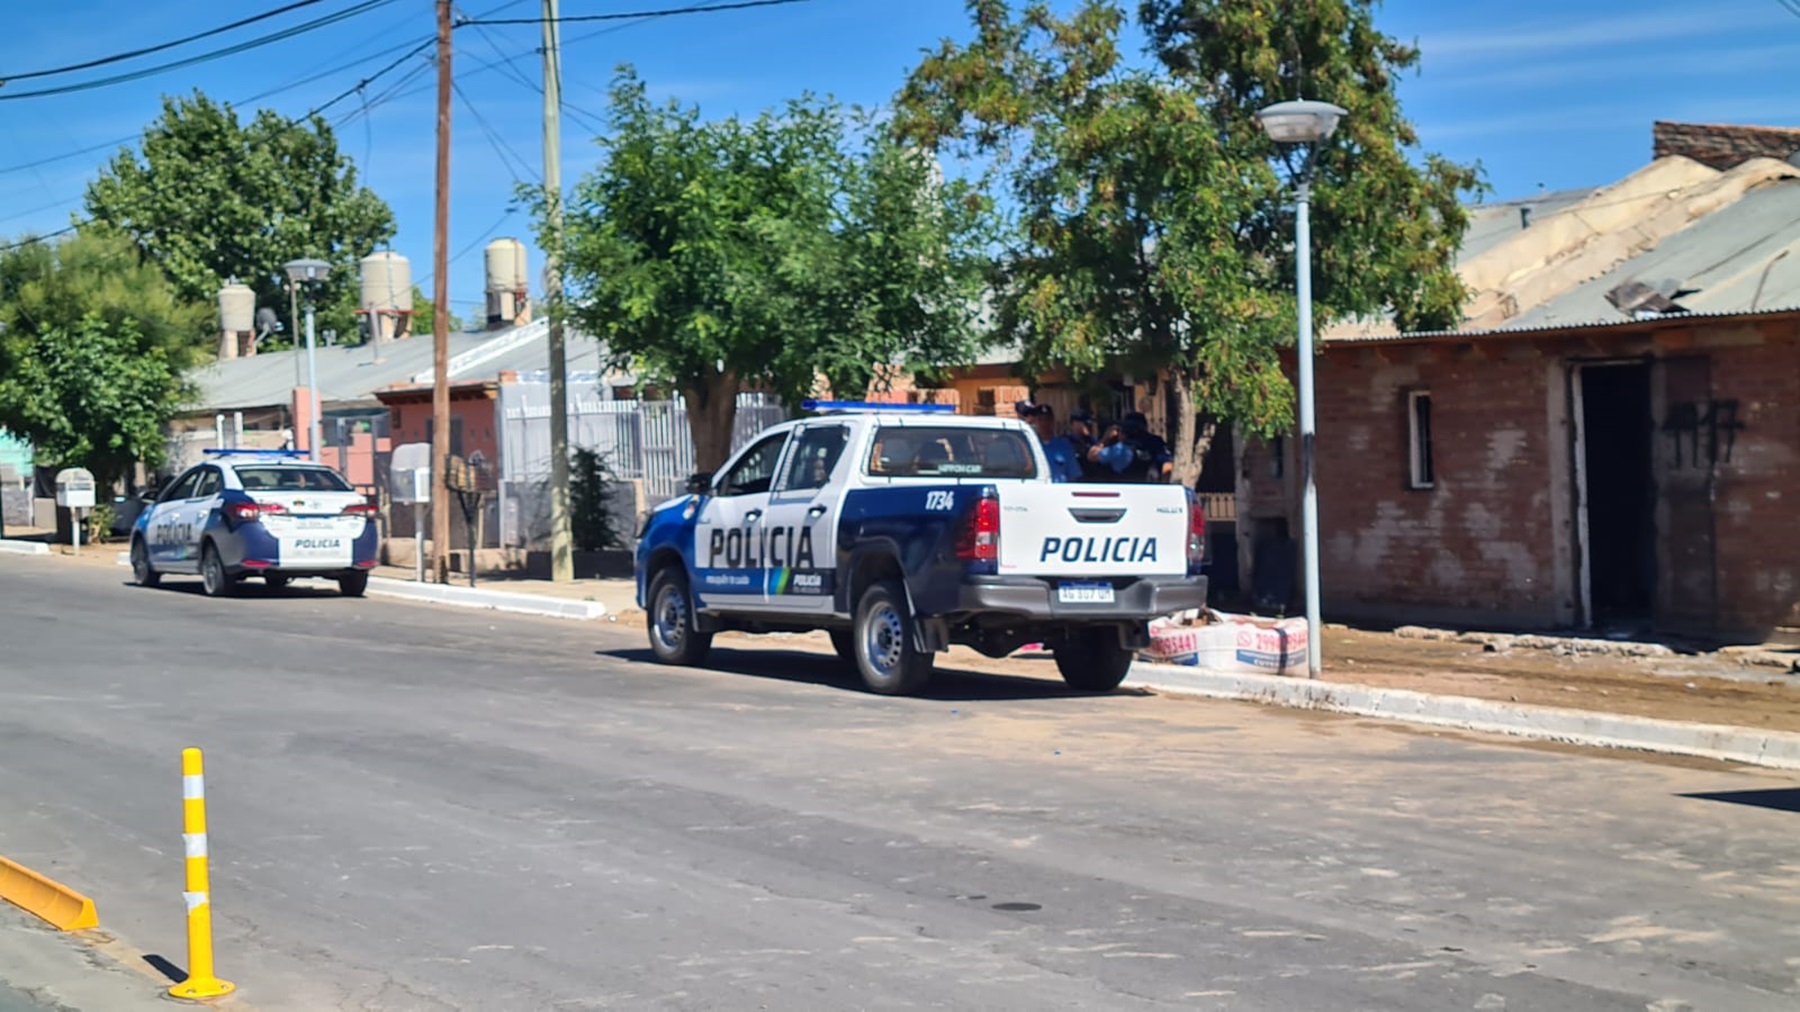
1093,660
886,656
673,636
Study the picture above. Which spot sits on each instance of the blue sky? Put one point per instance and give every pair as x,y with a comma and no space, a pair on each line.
1551,94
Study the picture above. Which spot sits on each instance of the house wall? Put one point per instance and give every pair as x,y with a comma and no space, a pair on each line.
1496,542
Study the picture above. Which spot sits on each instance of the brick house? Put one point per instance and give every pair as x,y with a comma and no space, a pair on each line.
1610,442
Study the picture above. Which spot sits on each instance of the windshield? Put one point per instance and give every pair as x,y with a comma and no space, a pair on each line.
951,452
291,479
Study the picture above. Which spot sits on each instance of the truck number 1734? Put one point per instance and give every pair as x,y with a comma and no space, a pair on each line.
940,501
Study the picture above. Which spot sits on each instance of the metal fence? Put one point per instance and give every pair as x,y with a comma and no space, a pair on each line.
646,444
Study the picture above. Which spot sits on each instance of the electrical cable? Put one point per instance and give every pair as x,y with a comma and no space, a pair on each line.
147,50
500,145
623,15
137,75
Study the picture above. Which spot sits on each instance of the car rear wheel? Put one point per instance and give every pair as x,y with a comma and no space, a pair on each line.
141,570
886,656
674,638
354,584
1093,660
213,577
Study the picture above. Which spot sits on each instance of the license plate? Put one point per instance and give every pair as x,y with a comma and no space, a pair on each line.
1085,593
318,524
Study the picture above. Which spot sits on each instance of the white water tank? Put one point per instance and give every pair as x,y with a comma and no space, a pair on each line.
237,321
506,265
387,294
508,284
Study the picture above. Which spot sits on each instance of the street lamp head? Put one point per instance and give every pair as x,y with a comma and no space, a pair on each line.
307,272
1300,122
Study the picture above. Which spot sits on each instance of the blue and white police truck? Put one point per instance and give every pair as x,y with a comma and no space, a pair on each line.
904,529
266,513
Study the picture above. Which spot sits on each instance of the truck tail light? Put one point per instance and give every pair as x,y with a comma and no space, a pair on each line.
980,538
250,512
361,509
1196,538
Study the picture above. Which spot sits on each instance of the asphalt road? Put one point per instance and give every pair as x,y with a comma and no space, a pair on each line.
424,808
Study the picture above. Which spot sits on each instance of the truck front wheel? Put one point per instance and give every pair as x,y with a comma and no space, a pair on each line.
674,638
886,656
1093,660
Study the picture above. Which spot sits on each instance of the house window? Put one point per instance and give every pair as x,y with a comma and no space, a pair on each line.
1420,471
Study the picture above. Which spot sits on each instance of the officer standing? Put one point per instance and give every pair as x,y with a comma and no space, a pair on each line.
1065,464
1151,458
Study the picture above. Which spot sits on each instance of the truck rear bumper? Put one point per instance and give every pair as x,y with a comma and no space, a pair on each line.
1144,598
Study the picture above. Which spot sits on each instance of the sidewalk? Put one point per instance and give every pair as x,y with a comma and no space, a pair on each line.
618,596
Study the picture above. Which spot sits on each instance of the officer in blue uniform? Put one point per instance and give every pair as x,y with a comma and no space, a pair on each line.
1065,462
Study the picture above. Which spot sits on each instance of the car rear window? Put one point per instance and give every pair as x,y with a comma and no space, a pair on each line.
291,479
907,451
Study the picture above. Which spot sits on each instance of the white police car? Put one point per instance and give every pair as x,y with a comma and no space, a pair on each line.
266,513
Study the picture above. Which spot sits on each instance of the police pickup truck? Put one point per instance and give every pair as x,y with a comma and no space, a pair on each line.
902,530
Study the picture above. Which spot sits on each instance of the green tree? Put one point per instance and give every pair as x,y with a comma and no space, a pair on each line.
718,256
1154,230
210,198
423,309
93,343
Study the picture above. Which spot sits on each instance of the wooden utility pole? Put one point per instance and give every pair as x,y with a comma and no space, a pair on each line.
440,317
562,558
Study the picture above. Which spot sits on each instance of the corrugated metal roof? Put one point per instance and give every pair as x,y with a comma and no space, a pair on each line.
1645,324
351,375
1721,260
1492,224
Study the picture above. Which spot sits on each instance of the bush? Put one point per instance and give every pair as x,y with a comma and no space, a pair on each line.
590,488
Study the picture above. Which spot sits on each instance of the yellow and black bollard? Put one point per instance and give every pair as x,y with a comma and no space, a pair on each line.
200,982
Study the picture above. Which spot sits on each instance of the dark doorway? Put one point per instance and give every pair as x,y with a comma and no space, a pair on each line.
1617,436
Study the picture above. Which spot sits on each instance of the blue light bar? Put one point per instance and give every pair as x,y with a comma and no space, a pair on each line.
827,406
218,452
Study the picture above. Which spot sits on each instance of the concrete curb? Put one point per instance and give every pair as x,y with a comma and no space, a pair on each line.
493,600
24,547
1778,749
62,907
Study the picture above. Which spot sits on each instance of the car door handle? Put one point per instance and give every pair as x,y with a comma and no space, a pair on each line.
753,516
816,511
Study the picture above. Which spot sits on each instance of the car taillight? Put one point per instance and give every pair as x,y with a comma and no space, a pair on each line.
1196,547
361,509
980,540
248,512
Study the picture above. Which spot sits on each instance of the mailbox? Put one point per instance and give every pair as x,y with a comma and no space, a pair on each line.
75,488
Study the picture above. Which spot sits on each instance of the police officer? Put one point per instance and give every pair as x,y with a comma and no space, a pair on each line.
1081,437
1065,464
1151,458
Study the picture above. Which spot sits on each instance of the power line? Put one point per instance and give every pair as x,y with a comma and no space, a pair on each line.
147,50
21,244
499,143
243,47
623,16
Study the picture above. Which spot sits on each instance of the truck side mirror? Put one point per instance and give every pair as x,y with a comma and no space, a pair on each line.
700,484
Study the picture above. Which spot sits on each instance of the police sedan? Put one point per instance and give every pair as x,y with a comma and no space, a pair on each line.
269,514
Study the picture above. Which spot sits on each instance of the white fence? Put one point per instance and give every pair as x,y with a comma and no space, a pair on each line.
645,443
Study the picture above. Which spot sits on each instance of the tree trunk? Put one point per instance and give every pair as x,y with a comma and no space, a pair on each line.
712,415
1192,439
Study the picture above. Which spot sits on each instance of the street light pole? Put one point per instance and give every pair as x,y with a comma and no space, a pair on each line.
309,273
1307,123
312,383
1309,490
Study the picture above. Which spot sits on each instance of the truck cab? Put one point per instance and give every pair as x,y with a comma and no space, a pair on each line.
904,529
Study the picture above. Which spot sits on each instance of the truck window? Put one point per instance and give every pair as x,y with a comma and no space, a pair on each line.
815,457
911,451
755,470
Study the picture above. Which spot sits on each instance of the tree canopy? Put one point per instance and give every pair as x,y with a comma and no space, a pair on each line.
93,342
210,198
1154,227
713,256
